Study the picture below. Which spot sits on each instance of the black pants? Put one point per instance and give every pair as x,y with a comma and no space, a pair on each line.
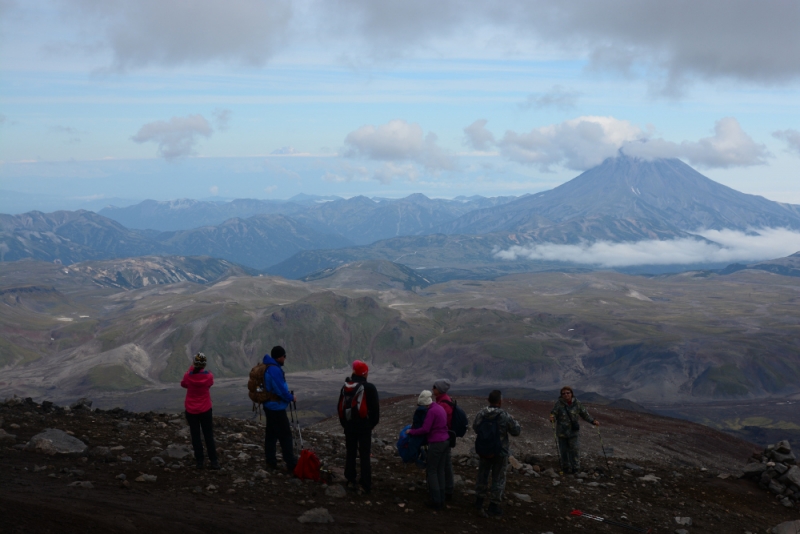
360,442
204,422
278,429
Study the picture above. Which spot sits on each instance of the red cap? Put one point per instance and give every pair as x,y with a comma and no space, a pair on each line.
360,368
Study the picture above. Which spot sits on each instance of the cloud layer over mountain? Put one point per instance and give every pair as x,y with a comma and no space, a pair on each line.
726,246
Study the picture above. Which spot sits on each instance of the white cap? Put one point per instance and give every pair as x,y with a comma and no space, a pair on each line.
425,398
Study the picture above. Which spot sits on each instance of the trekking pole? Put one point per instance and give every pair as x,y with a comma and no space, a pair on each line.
558,449
643,530
603,446
297,422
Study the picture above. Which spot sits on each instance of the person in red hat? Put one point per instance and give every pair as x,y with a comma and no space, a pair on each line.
359,413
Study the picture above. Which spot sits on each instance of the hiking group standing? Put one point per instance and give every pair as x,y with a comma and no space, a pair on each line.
565,416
359,413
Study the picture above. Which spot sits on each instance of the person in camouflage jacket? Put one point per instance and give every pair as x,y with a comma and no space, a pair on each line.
565,414
497,464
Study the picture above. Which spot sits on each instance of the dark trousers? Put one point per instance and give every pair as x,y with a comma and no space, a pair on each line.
361,443
438,455
197,422
570,449
278,429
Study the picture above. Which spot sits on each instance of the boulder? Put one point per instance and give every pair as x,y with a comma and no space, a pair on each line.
789,527
5,437
81,404
178,452
316,515
792,475
53,441
683,521
754,470
783,447
776,487
336,491
784,458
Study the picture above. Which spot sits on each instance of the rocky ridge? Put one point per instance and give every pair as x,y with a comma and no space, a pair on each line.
133,473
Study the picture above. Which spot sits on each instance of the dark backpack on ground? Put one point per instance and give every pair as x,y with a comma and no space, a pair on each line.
460,421
487,440
352,404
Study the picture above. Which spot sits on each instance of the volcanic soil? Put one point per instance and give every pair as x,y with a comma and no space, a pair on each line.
682,470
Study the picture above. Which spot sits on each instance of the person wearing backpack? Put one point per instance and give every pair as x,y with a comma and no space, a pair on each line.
197,382
359,414
440,388
492,427
278,428
565,414
434,428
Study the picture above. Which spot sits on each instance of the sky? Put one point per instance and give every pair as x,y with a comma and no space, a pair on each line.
117,101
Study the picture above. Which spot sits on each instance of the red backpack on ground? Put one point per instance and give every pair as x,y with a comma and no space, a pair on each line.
307,466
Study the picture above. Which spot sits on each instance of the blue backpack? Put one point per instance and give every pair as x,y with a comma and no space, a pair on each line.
410,447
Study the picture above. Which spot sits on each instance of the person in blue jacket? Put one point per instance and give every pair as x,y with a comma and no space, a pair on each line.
278,428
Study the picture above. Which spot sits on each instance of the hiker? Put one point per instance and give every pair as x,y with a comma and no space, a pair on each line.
434,428
440,388
197,382
359,413
492,427
278,428
565,414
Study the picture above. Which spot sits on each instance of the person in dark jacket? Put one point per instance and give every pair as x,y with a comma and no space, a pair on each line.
197,382
565,415
359,413
278,428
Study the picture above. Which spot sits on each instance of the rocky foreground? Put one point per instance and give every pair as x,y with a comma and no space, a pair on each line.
82,470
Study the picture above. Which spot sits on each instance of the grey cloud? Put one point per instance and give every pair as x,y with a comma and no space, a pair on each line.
71,134
397,141
672,41
557,97
792,138
284,151
477,136
175,138
176,32
222,118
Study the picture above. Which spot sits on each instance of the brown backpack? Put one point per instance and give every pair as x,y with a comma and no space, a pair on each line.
255,386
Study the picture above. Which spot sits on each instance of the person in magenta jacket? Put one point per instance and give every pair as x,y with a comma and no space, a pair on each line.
435,429
197,382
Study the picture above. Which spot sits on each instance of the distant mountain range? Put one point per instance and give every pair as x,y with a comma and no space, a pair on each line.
622,200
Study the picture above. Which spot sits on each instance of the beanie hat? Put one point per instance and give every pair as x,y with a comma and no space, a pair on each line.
199,360
360,368
425,398
442,385
277,352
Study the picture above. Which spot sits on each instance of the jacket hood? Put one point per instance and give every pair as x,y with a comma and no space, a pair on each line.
268,360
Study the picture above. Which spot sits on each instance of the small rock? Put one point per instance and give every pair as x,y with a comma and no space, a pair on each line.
116,448
84,484
177,452
649,478
125,459
787,502
683,521
316,515
197,489
260,474
146,478
789,527
159,461
239,481
556,482
524,497
155,443
37,468
5,437
100,452
514,463
14,426
211,487
681,531
121,476
336,491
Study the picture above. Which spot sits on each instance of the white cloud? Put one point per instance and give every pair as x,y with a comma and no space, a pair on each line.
792,138
389,172
477,136
175,138
284,151
397,141
577,144
558,97
726,246
730,146
214,190
176,32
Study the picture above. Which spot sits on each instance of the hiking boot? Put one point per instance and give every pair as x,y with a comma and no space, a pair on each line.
215,466
494,509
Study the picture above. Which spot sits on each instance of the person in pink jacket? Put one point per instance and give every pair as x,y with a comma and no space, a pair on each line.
197,382
435,429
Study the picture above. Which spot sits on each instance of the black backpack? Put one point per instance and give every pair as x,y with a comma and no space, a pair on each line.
460,421
487,441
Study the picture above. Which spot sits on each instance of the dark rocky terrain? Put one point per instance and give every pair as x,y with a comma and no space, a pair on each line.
133,472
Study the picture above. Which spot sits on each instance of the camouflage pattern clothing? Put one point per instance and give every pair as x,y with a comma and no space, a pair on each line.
567,430
497,465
